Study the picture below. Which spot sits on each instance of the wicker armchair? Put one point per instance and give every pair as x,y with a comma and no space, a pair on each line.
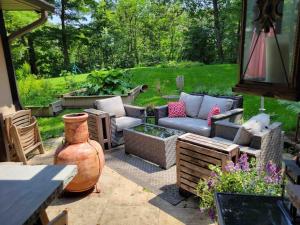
121,116
265,146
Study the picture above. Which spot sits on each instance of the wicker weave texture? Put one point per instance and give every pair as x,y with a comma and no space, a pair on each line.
154,149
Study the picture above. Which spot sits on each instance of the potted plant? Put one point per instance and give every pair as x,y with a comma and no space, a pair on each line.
242,177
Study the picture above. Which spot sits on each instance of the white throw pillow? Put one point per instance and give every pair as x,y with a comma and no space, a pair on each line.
253,126
192,104
112,105
263,119
208,102
243,137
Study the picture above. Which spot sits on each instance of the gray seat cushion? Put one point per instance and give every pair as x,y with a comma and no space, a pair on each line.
243,149
112,105
192,103
186,124
127,122
208,102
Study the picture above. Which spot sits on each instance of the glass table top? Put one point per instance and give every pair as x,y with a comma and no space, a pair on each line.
236,209
156,131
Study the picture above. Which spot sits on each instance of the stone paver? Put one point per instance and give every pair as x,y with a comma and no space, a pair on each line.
122,202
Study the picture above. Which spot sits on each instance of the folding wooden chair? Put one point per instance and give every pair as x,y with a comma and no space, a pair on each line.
23,135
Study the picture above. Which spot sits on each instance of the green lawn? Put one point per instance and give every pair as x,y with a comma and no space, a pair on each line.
215,79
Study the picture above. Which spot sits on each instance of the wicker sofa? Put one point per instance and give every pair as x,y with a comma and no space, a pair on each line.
264,146
197,108
121,116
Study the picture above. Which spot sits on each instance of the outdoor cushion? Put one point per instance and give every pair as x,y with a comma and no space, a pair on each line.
111,105
127,122
192,104
214,111
176,109
208,102
263,119
186,124
243,149
243,136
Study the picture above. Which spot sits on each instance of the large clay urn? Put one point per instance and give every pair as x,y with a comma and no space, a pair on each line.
79,150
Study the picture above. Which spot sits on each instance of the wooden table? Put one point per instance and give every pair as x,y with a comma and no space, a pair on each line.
194,153
99,127
26,191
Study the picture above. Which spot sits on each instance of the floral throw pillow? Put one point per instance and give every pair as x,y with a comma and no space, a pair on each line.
176,109
215,110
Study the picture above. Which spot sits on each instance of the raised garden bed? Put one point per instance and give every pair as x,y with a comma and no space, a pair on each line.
53,109
71,100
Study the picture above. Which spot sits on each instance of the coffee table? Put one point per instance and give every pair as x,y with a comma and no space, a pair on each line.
153,143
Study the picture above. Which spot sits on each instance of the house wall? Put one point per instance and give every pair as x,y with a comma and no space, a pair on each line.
6,102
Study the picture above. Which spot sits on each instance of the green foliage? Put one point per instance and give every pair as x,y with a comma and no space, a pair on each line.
125,34
23,71
113,82
182,64
35,92
70,82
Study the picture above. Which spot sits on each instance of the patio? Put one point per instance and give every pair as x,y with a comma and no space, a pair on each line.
121,202
203,156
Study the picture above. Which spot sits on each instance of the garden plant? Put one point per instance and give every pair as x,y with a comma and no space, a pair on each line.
241,177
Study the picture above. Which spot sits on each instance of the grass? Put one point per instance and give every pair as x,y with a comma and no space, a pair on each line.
51,127
214,79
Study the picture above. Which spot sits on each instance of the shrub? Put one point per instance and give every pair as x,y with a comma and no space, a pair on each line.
242,177
114,82
35,92
70,82
23,71
181,64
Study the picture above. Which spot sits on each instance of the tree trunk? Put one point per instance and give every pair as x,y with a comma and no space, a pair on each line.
218,31
32,56
64,35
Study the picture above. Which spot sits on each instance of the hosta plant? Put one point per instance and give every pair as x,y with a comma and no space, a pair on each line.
242,177
113,82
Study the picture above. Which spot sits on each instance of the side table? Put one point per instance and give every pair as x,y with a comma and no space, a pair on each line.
99,127
194,153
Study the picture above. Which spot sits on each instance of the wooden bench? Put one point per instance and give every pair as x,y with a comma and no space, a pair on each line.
194,153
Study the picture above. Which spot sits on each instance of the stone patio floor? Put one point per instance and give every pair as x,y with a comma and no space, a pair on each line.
121,202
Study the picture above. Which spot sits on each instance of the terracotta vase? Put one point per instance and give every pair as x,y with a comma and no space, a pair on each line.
79,150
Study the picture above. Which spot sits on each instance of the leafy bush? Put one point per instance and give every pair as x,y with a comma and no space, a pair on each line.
23,71
70,82
114,82
182,64
35,92
242,177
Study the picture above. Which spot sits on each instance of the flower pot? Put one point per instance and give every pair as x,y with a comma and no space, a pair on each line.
79,150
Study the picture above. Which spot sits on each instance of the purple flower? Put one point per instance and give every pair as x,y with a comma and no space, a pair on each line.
243,161
268,179
237,167
213,174
230,167
271,168
212,214
210,183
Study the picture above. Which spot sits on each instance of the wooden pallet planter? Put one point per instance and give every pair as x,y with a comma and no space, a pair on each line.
70,100
99,127
194,154
53,109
